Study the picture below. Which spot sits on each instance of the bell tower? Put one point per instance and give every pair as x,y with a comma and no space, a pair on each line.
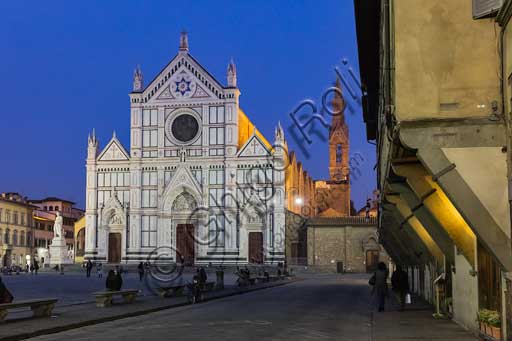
338,139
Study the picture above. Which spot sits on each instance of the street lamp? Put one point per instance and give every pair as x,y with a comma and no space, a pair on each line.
299,201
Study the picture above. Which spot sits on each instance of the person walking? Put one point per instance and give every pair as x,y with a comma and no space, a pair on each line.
141,271
99,270
380,285
36,266
400,285
32,268
88,268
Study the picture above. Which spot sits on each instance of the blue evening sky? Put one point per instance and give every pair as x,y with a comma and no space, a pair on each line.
66,68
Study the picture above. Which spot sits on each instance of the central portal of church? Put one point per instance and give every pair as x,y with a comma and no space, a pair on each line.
185,244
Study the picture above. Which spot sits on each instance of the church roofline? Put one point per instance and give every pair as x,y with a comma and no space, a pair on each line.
181,53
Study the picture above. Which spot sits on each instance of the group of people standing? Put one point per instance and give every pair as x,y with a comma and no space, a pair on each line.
399,285
33,267
114,278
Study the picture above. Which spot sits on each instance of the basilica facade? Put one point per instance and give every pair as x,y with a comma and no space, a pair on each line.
198,184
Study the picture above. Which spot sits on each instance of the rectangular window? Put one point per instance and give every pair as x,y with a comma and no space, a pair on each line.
120,179
22,219
216,197
7,216
15,217
197,173
149,231
216,227
113,179
1,216
149,198
216,177
216,115
150,117
217,136
149,178
213,115
150,138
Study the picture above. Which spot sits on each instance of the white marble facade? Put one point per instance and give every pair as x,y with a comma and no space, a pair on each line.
188,163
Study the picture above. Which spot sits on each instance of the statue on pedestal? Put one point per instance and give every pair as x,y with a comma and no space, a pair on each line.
57,227
58,250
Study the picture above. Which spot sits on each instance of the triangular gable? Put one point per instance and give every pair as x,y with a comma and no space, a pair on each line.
114,151
165,93
254,147
173,73
182,178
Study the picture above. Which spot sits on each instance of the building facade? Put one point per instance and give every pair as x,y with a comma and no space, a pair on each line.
437,86
344,244
16,230
79,249
199,184
44,217
327,233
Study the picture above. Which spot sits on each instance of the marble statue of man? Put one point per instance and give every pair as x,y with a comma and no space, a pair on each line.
57,226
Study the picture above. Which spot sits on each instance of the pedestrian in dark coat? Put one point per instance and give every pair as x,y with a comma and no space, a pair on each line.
141,270
400,285
88,268
114,281
36,266
202,275
380,285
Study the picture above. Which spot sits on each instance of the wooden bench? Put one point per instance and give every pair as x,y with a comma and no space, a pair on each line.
40,307
171,291
104,298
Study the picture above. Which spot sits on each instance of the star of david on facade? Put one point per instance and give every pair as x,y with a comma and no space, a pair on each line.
183,86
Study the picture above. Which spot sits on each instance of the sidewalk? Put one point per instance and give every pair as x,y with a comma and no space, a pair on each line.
415,323
79,315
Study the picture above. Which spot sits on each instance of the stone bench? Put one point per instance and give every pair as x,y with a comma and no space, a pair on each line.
276,277
104,298
171,291
262,279
208,286
40,307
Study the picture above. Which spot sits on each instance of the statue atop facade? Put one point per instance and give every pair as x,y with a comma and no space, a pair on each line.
57,226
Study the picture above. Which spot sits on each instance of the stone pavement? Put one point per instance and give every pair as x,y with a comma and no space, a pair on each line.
324,307
69,316
416,323
75,288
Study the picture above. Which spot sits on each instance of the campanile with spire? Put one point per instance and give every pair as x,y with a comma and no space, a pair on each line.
333,195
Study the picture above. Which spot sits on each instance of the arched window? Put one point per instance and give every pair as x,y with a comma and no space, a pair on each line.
15,238
338,153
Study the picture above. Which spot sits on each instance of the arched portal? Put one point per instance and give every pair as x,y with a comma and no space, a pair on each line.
183,208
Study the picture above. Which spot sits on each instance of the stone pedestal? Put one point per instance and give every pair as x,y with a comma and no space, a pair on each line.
59,252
